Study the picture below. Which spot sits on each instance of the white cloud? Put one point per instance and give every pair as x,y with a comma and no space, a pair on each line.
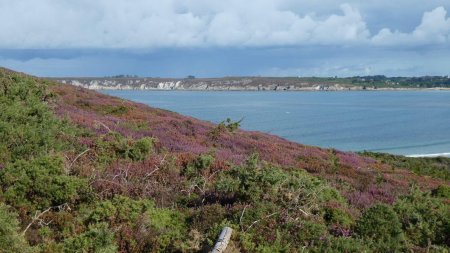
434,29
197,23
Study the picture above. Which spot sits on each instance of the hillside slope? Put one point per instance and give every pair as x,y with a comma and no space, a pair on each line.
83,171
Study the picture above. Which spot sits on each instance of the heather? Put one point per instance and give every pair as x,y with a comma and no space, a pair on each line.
85,172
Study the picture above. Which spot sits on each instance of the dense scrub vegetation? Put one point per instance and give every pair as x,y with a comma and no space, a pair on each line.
438,167
381,81
83,172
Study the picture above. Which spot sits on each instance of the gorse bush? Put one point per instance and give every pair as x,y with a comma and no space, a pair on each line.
438,167
113,146
140,225
343,244
98,238
425,220
442,191
226,126
40,183
230,125
304,207
380,223
27,127
11,240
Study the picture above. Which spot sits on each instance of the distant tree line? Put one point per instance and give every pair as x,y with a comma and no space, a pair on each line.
123,76
420,82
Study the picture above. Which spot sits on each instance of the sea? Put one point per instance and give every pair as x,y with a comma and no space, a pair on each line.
412,123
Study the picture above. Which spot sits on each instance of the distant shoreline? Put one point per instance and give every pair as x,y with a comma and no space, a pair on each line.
258,83
153,84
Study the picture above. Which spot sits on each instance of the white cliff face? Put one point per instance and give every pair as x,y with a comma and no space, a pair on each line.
77,83
169,85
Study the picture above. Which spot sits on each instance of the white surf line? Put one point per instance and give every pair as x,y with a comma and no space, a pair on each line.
429,155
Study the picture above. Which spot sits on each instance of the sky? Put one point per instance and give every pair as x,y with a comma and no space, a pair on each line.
215,38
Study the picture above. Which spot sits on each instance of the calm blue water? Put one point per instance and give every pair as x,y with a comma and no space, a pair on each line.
400,122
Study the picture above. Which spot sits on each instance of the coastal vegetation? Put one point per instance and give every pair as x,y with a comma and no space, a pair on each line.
381,81
85,172
438,167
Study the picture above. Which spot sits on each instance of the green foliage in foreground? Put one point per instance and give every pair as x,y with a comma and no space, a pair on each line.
380,223
45,206
10,238
40,183
98,238
27,127
438,167
114,146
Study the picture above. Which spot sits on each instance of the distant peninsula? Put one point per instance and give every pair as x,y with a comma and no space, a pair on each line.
128,82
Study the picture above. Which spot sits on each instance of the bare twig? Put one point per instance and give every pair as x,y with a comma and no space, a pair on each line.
256,221
242,215
76,158
303,211
103,125
37,216
157,167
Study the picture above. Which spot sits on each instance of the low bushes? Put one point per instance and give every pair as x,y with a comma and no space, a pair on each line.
11,240
41,183
381,224
437,167
114,146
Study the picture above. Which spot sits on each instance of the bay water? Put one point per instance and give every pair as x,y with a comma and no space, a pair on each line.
415,123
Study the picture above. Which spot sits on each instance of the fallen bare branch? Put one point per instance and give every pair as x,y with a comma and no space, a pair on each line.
256,221
242,215
103,125
37,216
76,158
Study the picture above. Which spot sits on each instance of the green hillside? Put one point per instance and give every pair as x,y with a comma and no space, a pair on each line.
85,172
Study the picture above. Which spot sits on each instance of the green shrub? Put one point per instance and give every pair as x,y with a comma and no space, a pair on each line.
28,130
336,215
120,209
98,238
311,231
437,167
160,229
276,246
41,183
342,244
442,191
113,146
380,224
10,239
111,109
230,125
141,148
168,227
424,219
225,126
194,169
251,183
